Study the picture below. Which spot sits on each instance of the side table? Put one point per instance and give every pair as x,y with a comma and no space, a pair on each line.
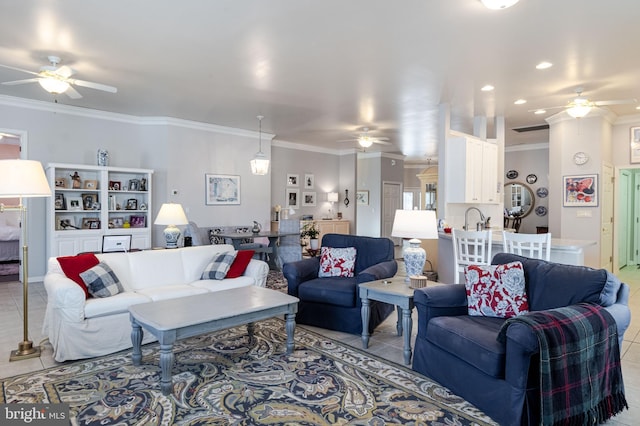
397,292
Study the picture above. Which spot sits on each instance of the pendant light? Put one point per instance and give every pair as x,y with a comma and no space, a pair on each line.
260,163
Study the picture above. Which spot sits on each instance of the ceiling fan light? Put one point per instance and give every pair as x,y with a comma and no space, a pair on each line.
579,111
53,85
498,4
365,141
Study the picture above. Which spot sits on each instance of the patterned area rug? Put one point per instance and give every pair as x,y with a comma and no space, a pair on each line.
223,378
276,281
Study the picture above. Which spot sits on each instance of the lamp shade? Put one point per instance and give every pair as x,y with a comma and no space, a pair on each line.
23,178
415,224
171,214
53,85
332,197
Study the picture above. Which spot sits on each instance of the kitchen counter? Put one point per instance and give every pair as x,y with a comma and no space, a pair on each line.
570,252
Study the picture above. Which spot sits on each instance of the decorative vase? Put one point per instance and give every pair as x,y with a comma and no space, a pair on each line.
414,259
313,243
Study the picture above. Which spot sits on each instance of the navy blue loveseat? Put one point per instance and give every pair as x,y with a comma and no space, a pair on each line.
333,302
461,352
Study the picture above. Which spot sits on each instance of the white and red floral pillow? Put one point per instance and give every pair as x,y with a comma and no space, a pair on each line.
337,262
496,290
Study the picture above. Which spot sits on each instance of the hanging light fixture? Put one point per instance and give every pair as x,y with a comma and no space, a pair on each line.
498,4
260,163
53,85
579,107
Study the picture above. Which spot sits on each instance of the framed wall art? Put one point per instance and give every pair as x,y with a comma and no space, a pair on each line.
75,203
580,190
634,144
293,198
222,190
362,197
292,179
309,181
308,199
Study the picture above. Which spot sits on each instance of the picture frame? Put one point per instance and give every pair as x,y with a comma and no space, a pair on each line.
138,221
90,184
59,202
134,184
580,190
292,179
61,182
65,223
116,222
293,198
116,243
362,197
221,190
115,185
75,203
90,223
309,181
634,145
308,199
132,204
90,202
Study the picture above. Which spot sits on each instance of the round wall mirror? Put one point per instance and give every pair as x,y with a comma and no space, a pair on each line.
518,199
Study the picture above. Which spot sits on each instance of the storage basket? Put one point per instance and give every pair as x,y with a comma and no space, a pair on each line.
430,273
417,281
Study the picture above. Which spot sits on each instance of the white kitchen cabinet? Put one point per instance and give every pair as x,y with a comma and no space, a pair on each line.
471,170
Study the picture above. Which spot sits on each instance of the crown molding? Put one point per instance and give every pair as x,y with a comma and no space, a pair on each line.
311,148
526,147
633,119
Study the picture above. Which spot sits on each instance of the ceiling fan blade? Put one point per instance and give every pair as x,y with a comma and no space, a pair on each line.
348,140
92,85
18,69
381,142
616,102
547,108
72,93
16,82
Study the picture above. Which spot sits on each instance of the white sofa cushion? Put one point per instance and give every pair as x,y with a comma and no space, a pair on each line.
171,291
97,307
156,268
119,264
227,283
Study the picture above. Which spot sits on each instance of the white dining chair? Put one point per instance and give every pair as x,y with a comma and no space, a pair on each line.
470,248
536,246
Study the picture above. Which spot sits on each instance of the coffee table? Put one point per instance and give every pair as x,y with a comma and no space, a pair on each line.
173,319
397,292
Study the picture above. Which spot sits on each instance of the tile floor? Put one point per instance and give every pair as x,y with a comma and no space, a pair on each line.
384,342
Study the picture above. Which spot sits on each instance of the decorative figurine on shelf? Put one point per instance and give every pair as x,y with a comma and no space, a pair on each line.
126,224
75,178
256,227
143,184
103,157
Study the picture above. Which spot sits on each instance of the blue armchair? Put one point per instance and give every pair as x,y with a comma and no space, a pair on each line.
461,352
333,302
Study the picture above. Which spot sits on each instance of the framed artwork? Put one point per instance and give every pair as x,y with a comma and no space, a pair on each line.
65,223
580,190
75,203
90,184
308,199
634,145
293,196
90,202
116,243
362,197
138,221
60,202
132,204
292,179
309,181
90,223
61,182
134,185
116,222
115,185
222,190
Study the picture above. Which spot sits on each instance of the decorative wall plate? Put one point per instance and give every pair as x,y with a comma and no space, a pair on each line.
512,174
541,211
531,179
542,192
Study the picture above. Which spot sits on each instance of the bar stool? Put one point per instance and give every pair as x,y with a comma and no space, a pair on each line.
536,246
470,248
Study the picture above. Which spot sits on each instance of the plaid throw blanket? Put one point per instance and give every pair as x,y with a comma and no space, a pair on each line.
580,371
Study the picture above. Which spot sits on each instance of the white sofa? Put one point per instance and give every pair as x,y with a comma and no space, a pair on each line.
79,328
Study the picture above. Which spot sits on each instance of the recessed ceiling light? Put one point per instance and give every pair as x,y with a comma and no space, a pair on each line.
540,111
638,107
498,4
544,65
520,101
487,88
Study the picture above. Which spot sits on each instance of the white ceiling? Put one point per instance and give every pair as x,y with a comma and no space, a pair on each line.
320,70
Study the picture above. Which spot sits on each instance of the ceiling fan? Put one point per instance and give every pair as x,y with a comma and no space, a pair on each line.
365,140
580,106
56,80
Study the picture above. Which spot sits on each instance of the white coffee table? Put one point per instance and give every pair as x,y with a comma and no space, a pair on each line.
170,320
395,291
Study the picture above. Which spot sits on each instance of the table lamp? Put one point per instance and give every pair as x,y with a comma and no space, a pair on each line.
171,214
332,197
415,224
23,179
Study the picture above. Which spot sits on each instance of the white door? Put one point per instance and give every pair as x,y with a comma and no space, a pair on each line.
606,229
391,201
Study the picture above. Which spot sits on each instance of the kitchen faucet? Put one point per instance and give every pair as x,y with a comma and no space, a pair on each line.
480,225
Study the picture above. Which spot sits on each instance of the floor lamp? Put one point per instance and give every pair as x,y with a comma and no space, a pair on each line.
23,179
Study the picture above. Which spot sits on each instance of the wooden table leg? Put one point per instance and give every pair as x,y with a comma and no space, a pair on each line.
166,365
136,340
366,312
291,329
407,325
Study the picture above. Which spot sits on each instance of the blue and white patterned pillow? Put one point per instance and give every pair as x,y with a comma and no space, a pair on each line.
101,281
219,266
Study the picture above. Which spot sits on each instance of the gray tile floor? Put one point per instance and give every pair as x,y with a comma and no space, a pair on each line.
384,342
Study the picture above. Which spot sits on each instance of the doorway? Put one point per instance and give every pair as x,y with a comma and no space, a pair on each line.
10,231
